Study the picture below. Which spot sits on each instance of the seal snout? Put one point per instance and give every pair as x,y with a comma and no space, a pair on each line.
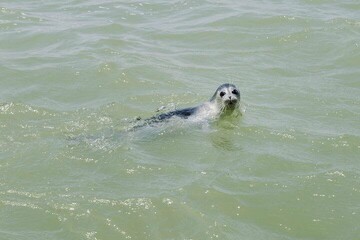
230,101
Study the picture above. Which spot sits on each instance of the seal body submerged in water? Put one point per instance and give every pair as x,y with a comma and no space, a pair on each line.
225,101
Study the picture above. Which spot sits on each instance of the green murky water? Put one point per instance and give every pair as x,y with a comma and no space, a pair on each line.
75,74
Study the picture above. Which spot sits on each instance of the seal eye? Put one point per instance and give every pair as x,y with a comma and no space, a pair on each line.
236,92
222,94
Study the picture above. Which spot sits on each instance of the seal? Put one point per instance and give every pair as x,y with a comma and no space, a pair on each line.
224,102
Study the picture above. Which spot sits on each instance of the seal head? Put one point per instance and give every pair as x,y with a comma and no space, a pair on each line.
226,98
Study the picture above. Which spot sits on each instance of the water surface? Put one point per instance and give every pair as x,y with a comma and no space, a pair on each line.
75,74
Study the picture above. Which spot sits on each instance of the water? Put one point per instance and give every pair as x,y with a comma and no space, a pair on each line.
75,74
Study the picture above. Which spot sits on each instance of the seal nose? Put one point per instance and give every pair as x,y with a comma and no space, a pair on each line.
230,97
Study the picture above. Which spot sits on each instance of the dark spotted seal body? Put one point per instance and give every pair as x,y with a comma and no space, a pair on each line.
225,101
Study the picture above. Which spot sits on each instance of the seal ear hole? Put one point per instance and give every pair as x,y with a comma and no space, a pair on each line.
222,94
236,92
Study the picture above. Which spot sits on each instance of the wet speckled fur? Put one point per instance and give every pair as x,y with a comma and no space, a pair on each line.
225,101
